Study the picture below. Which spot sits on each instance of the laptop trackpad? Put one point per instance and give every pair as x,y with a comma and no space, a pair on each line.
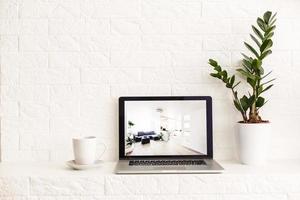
171,168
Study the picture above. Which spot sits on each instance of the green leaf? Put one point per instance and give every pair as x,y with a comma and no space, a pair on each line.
235,94
272,19
213,62
216,75
273,22
267,88
256,64
266,53
266,45
272,28
228,85
251,49
246,57
246,68
251,100
259,90
267,16
257,32
255,40
251,82
269,35
237,106
246,74
224,76
266,75
215,65
232,79
244,103
269,81
236,84
261,70
261,24
247,64
259,102
218,68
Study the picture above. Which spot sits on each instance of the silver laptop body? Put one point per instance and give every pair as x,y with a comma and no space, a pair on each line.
170,134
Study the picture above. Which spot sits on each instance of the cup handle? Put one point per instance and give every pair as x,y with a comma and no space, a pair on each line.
99,157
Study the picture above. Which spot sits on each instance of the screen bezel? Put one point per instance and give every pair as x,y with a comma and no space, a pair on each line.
209,138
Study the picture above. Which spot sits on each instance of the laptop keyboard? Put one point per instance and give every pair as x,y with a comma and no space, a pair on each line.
165,162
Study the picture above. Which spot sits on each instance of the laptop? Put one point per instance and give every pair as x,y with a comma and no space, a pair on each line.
166,134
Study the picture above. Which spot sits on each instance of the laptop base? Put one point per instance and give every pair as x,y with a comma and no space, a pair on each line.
211,167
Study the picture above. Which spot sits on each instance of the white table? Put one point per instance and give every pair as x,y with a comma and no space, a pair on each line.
46,181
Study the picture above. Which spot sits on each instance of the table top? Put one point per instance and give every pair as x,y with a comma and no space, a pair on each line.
12,169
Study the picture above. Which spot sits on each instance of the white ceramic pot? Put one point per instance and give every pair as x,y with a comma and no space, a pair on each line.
253,142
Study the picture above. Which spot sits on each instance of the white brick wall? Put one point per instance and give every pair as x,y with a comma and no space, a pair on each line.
165,187
65,62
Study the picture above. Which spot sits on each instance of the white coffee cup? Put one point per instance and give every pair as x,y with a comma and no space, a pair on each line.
85,149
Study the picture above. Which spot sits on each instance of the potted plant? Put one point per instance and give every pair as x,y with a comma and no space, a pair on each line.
165,135
253,131
129,140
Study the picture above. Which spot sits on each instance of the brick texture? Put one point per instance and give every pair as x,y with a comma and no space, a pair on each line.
120,187
64,63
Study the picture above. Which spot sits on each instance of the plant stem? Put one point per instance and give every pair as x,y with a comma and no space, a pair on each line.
253,114
244,115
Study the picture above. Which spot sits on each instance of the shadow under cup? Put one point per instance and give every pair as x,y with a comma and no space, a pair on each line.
85,149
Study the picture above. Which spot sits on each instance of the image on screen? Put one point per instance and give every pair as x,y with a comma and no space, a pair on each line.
154,128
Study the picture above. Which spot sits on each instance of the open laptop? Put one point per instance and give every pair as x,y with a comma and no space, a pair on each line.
169,134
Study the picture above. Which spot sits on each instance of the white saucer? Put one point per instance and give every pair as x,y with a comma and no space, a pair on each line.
73,165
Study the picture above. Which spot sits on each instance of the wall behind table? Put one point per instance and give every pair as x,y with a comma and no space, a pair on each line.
64,63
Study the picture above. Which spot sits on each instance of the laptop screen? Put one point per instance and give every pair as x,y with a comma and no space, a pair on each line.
165,128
